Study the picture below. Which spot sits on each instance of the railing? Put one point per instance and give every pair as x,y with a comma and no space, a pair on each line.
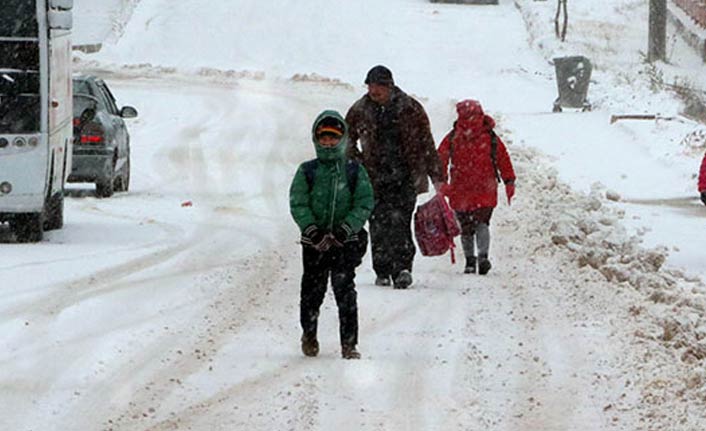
696,9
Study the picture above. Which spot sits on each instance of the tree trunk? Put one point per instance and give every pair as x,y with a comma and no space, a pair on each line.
657,38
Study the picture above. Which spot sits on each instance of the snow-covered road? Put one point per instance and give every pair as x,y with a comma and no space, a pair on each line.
147,314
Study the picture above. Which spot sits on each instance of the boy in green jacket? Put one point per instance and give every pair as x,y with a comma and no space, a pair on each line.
330,199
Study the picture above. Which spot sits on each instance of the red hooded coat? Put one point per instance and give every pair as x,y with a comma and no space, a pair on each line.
702,175
473,183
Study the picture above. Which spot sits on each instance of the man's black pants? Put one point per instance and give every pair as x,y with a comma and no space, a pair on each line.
391,232
338,263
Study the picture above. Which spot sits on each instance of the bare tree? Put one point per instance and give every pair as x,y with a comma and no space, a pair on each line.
657,37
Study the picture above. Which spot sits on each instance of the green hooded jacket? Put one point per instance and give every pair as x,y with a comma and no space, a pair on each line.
329,203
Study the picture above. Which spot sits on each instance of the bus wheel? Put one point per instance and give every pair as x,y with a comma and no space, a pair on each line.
104,189
28,227
55,213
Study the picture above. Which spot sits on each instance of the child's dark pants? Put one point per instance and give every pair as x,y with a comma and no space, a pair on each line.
339,264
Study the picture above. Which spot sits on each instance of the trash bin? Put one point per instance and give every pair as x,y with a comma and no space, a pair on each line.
572,77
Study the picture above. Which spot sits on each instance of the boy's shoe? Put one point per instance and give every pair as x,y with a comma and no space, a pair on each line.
383,281
470,265
349,352
310,345
403,280
483,265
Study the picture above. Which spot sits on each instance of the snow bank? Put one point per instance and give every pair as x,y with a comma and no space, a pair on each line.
668,307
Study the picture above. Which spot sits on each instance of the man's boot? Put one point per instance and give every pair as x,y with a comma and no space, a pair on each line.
470,265
483,264
382,281
310,345
403,280
349,352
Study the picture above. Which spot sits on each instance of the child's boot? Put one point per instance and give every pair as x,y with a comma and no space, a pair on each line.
483,264
310,345
470,265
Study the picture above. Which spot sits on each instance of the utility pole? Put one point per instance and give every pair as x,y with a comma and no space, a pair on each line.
657,37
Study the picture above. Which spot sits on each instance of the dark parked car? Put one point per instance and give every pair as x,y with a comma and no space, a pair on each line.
101,153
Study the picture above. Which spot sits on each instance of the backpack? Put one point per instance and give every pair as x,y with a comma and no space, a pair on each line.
493,150
352,167
435,227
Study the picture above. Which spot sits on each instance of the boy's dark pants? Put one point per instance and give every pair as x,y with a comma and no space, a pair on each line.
339,264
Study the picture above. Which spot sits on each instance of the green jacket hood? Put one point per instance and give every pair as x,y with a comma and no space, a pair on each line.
330,153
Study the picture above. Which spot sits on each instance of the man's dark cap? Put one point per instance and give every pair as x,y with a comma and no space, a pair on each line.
379,75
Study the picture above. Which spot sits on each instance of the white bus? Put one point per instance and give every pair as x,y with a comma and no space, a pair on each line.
35,114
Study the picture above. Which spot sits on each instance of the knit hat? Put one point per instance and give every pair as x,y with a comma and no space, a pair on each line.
331,126
379,75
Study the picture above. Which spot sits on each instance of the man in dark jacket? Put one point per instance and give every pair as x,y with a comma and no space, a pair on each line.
398,151
330,200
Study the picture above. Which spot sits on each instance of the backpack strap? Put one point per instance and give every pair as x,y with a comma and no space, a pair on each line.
352,168
309,169
452,135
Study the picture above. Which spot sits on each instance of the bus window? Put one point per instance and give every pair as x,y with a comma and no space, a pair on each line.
20,23
19,114
19,55
20,110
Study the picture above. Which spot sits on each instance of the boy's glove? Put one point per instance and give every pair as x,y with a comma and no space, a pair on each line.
341,234
316,238
509,191
703,197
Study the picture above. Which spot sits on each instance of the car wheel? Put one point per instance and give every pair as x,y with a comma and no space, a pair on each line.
28,227
122,183
126,178
106,186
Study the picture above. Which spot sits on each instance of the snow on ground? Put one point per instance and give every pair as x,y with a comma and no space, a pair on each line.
158,316
100,22
650,165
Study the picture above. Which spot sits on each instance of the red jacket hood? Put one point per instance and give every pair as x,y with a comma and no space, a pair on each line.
471,117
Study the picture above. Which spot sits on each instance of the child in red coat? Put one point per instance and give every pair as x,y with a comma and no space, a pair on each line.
477,160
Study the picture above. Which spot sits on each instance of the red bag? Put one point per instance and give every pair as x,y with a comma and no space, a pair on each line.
435,227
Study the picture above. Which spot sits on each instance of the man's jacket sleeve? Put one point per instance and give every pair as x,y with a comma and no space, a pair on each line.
427,150
299,201
363,201
444,152
352,118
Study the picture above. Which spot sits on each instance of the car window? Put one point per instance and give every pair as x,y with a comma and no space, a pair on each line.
80,104
109,99
85,87
82,87
103,103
